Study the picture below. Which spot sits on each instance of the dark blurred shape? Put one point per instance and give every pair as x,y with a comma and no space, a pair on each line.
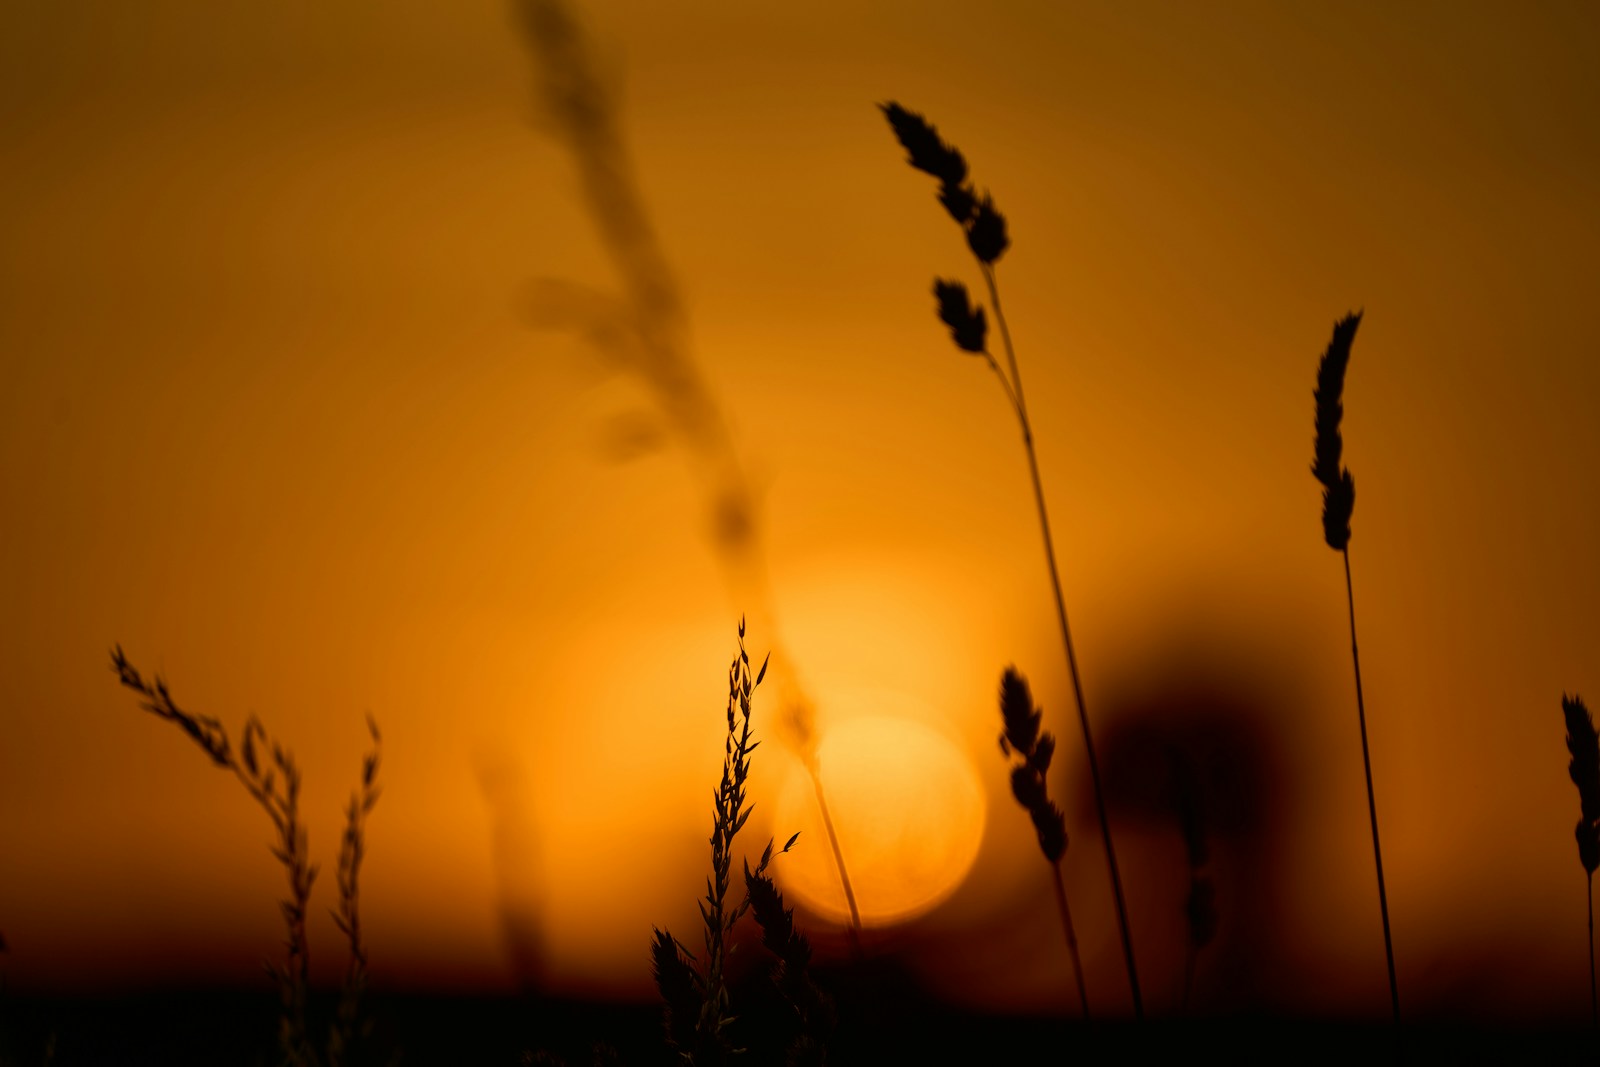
986,232
513,857
925,149
643,329
1195,745
967,325
630,435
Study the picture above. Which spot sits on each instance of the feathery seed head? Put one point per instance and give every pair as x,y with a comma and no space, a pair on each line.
986,233
1017,712
1338,501
1338,488
1588,834
1584,768
1051,826
1328,396
967,324
1039,758
680,988
1022,736
925,149
959,200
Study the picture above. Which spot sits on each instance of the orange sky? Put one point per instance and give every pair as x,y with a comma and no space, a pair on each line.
274,417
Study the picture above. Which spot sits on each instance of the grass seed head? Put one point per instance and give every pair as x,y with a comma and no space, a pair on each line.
986,232
1338,488
925,149
968,327
1023,738
1583,744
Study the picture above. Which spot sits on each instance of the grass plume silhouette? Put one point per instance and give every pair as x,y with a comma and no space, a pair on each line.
1021,736
275,785
985,230
697,1003
1584,768
1338,502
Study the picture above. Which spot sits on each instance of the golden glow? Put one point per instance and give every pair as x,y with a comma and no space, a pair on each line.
272,416
909,812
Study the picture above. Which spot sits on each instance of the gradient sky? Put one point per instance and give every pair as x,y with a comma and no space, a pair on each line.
275,415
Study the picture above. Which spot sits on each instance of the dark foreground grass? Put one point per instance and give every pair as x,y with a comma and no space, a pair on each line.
882,1020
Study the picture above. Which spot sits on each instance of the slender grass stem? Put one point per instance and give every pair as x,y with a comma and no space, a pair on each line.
1372,804
1072,937
1066,639
838,856
1594,1001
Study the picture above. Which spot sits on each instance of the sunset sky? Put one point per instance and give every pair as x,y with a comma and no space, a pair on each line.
292,408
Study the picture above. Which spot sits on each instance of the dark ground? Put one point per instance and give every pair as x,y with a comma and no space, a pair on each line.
880,1022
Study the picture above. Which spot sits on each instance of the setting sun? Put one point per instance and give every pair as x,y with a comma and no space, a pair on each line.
909,812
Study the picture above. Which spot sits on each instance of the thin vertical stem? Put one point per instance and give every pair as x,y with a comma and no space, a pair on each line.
1072,936
838,857
1372,804
1066,639
1594,1001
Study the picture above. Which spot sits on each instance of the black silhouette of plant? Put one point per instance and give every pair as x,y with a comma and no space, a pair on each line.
811,1010
697,1010
1584,746
275,785
1022,737
985,230
1338,501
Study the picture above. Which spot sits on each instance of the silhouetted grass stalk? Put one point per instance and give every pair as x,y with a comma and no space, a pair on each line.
1071,935
1338,504
1021,736
697,1002
1021,405
1584,768
349,1026
985,231
280,798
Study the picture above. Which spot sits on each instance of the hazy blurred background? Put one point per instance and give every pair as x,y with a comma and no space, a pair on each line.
273,415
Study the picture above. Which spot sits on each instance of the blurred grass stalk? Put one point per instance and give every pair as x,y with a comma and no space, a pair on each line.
985,230
644,331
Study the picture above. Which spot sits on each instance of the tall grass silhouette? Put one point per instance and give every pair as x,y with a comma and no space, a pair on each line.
1584,767
1338,502
644,331
275,785
985,230
697,1010
1021,735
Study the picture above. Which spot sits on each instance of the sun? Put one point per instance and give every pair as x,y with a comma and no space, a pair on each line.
909,811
